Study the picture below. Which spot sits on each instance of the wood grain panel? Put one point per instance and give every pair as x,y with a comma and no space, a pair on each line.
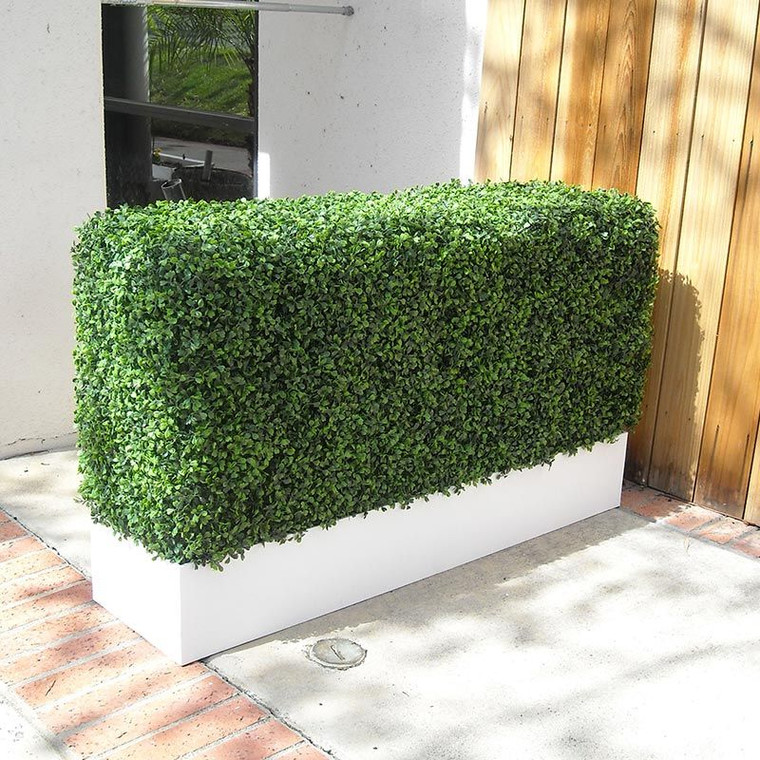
734,403
671,90
580,90
498,92
707,214
621,116
537,89
752,510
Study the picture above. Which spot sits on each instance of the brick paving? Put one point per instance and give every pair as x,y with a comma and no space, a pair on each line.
691,519
103,692
100,690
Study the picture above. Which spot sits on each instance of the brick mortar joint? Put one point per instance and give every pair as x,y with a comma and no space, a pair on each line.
105,754
73,696
709,523
57,643
751,531
696,535
287,750
79,661
721,520
302,742
31,576
16,558
147,699
42,595
20,629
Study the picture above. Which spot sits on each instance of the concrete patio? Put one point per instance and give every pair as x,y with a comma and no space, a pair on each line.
626,635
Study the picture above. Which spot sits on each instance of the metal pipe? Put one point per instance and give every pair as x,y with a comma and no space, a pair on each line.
241,5
206,175
175,113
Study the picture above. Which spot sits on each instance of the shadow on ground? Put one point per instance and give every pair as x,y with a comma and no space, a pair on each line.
610,638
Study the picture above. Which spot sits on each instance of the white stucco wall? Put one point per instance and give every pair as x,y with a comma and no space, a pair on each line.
386,98
52,177
383,99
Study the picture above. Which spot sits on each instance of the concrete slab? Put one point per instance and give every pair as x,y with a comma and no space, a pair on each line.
41,492
21,737
610,638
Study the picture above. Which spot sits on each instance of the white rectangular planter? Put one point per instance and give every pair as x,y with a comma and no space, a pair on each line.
190,613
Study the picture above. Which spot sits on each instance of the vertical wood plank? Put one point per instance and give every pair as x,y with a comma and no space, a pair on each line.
707,214
621,116
673,73
752,510
498,92
733,407
537,89
580,90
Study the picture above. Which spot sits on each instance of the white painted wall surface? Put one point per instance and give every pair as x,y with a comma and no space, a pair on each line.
383,99
51,179
386,98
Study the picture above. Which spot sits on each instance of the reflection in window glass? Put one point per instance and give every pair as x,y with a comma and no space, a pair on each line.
181,100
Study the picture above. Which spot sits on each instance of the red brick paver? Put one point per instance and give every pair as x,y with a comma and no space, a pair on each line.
660,507
28,563
44,606
194,732
26,666
10,530
11,549
104,699
693,520
262,741
26,587
54,686
748,544
51,629
303,752
723,530
146,717
100,688
633,497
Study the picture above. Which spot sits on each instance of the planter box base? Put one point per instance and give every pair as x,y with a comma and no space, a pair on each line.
191,613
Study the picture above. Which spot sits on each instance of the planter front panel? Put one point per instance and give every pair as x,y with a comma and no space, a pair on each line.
190,613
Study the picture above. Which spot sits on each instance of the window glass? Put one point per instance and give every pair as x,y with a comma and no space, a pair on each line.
181,98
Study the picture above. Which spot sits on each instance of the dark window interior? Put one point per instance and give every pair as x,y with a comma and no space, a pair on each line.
181,101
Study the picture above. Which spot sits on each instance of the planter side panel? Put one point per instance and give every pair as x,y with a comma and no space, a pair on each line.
278,585
144,593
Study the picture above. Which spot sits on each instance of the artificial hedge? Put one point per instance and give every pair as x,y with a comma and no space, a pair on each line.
247,370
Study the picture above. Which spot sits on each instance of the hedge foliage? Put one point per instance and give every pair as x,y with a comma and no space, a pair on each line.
247,370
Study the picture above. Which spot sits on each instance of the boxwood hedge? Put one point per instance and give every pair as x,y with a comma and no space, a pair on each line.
247,370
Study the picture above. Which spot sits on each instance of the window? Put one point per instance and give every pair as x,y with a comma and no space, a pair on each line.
181,102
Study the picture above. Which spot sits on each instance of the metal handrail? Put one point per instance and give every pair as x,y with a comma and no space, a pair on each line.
177,113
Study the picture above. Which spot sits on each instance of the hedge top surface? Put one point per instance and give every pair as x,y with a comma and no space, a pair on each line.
247,370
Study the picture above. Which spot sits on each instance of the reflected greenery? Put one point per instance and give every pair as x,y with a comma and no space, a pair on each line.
203,59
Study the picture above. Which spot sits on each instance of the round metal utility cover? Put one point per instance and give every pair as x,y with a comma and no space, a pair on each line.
339,654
